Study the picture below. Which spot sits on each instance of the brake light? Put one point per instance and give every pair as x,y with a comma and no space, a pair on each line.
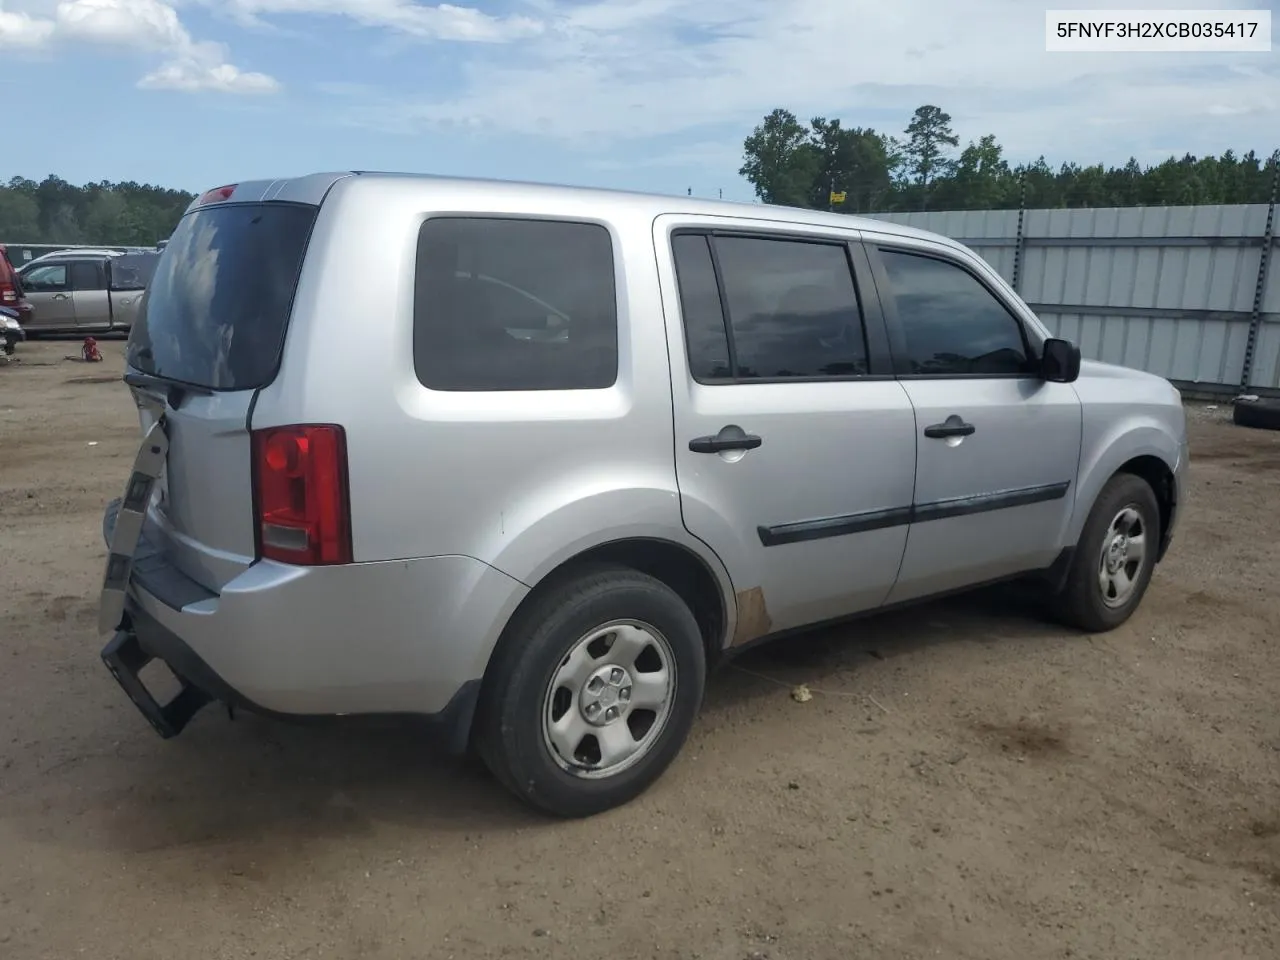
301,503
217,194
8,282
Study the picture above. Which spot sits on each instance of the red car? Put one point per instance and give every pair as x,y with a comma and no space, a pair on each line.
11,293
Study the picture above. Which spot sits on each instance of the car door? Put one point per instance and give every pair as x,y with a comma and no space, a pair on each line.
997,447
795,448
48,287
89,291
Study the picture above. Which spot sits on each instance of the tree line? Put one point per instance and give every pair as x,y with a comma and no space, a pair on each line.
785,160
55,211
797,164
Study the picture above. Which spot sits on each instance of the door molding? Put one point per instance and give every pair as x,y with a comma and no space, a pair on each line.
823,527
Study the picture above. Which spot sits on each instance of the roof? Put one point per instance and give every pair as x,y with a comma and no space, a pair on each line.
76,253
312,188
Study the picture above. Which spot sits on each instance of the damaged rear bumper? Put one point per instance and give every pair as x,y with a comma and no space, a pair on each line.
157,589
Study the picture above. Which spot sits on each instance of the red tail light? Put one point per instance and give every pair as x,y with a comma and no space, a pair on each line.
217,194
8,292
300,493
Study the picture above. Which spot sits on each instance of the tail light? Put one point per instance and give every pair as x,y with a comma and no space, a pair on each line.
8,292
217,195
300,494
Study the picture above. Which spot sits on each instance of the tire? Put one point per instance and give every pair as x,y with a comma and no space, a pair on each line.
1082,602
1261,414
548,674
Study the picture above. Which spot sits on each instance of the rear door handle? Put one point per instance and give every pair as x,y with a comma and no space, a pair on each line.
60,296
719,444
953,426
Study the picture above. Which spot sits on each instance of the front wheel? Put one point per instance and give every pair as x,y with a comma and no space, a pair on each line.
592,692
1114,558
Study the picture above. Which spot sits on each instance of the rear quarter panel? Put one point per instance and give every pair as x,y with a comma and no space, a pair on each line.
522,481
124,308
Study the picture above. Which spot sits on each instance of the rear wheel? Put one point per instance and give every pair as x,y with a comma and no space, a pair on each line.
1114,558
592,692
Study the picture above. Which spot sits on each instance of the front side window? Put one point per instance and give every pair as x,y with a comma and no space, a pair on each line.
792,308
506,304
952,324
48,277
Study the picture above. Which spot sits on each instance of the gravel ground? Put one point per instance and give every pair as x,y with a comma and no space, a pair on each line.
967,782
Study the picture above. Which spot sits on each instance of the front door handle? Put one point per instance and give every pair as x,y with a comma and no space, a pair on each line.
953,426
60,296
725,441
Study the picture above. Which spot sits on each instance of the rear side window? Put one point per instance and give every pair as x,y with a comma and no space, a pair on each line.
791,305
505,304
952,323
215,313
87,275
133,271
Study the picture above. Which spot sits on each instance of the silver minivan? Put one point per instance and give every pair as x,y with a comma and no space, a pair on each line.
86,291
526,461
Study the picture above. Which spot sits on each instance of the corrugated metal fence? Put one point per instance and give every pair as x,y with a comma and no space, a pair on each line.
1184,292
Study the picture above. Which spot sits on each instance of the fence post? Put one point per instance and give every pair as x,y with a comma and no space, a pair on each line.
1017,246
1264,260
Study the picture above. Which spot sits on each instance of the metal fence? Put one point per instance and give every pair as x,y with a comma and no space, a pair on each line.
1184,292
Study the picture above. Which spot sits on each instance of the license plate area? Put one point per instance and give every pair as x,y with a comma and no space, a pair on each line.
126,659
148,467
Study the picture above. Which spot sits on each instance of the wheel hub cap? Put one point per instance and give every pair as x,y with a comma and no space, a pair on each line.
605,695
1117,553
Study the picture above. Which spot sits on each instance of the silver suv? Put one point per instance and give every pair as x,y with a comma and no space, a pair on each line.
564,450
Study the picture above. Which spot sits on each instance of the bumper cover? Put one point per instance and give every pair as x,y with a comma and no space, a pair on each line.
141,640
405,641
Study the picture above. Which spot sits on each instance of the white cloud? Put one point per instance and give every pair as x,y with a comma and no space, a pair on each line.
152,26
443,21
23,30
192,75
617,71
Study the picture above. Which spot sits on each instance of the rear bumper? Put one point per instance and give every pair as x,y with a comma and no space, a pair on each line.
141,639
398,639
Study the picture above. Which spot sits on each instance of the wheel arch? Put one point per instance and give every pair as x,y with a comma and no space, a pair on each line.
681,568
1159,476
1146,452
693,577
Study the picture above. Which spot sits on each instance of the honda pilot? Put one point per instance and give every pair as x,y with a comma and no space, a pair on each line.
577,447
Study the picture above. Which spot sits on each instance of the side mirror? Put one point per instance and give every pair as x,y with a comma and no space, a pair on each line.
1060,362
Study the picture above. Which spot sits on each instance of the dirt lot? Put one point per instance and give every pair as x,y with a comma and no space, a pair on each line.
966,782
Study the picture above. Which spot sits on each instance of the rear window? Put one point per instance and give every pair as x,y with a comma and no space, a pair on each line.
505,304
215,312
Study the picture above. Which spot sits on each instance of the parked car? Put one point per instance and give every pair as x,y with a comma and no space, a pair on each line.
737,422
86,291
12,296
11,333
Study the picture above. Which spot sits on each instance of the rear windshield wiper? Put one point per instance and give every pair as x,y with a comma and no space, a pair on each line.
174,390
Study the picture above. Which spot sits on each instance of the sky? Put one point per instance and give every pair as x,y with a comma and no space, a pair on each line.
654,95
